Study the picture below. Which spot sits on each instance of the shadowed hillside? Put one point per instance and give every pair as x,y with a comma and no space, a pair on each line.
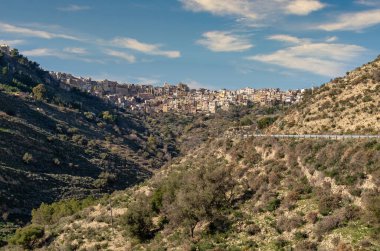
57,144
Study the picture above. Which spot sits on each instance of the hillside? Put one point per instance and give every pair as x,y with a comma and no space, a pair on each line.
248,194
349,104
57,144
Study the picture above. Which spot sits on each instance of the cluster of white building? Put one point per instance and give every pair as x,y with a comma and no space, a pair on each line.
176,98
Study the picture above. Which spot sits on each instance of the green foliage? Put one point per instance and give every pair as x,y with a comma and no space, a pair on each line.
50,214
39,92
273,204
246,121
265,122
27,236
156,200
105,179
14,53
138,220
107,116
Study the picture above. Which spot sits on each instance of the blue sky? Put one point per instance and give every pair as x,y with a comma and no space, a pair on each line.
205,43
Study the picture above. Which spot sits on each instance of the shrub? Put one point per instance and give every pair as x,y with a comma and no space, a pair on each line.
104,179
27,236
327,203
288,224
27,158
265,122
50,214
39,92
273,204
252,229
327,224
138,219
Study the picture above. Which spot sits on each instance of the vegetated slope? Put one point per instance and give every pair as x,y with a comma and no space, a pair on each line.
186,132
57,144
349,104
247,194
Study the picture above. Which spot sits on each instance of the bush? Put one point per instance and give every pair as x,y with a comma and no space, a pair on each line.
27,236
327,203
288,224
138,219
49,214
265,122
327,224
39,92
252,229
273,204
27,158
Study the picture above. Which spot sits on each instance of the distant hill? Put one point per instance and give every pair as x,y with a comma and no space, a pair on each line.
349,104
57,144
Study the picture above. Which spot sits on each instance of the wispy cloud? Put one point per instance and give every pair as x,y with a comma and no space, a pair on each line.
194,84
331,39
122,55
353,21
9,28
222,41
61,54
303,7
240,8
368,2
75,50
149,49
254,10
74,8
326,59
12,42
287,38
44,52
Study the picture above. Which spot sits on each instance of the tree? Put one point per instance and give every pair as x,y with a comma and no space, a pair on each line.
139,219
202,196
39,92
4,71
27,236
14,53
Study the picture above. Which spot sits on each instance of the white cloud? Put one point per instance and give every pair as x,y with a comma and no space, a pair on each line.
222,41
287,38
241,8
122,55
9,28
12,43
197,85
253,10
74,8
64,54
331,39
44,52
150,49
368,2
324,59
75,50
304,7
353,21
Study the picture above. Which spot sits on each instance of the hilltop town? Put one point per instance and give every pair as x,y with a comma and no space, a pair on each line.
172,98
176,98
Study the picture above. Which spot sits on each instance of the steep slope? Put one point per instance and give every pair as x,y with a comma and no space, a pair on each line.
349,104
57,144
247,194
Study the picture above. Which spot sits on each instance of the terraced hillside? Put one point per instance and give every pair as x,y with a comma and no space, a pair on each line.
345,105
